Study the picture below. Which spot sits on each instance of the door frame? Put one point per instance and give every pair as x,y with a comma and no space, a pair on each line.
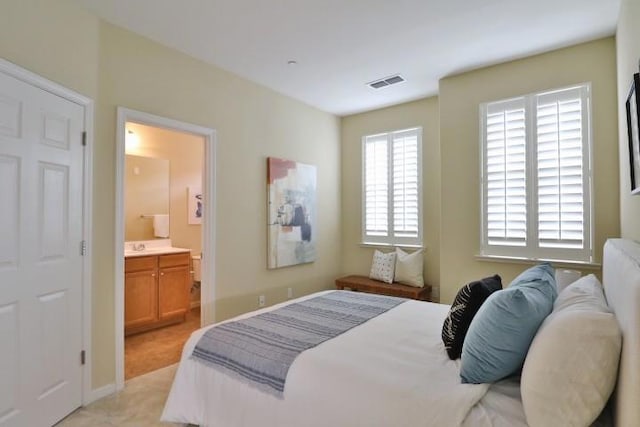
87,104
207,304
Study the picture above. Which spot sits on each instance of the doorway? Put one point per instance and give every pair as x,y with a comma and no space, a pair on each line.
172,162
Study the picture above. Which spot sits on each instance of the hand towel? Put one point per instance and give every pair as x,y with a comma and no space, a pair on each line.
161,225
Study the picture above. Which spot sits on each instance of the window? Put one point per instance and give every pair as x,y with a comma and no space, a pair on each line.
392,188
536,176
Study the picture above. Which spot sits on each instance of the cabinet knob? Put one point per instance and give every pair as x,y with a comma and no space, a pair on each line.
162,274
153,274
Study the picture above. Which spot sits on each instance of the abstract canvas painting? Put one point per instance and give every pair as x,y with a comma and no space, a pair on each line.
292,212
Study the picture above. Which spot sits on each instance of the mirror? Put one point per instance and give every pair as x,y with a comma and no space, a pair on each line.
146,193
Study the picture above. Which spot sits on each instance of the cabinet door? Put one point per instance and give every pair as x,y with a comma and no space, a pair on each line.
140,298
173,291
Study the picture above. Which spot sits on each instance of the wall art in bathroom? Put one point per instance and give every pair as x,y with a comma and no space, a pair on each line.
292,212
194,196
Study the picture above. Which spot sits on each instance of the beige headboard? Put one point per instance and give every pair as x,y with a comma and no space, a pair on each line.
621,280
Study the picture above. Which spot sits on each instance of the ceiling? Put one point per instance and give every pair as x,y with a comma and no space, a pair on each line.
340,45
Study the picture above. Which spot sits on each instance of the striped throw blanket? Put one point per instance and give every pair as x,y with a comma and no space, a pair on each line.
259,350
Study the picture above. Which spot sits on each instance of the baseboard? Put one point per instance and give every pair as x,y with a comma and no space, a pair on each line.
99,393
195,304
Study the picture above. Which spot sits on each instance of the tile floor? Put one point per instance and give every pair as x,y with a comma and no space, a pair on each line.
139,404
158,348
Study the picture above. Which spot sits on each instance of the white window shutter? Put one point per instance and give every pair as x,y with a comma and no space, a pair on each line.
561,204
536,176
376,182
505,174
405,184
392,197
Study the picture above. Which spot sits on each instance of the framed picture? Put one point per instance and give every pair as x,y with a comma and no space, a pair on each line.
292,213
194,197
633,131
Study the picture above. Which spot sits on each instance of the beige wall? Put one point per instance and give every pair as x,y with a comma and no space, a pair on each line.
56,40
357,259
61,42
185,153
117,68
459,99
628,55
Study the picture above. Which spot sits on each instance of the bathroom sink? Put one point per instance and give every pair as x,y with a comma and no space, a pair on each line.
154,251
147,248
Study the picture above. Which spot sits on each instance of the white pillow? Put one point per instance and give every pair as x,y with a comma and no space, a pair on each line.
383,266
572,364
585,292
409,268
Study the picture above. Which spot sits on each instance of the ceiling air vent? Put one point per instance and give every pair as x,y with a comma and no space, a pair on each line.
377,84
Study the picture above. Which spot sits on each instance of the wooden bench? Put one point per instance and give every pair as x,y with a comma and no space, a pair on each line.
364,284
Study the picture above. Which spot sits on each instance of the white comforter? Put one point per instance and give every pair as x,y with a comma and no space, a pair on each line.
390,371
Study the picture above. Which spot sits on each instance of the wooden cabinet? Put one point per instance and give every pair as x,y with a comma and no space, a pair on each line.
173,298
156,291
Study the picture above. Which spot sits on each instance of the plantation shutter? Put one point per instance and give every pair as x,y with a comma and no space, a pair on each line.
376,189
405,184
391,188
505,173
536,176
560,169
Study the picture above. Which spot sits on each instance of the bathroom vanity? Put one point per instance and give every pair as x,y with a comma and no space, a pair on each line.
157,286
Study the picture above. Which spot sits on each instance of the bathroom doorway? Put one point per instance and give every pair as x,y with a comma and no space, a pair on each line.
163,243
164,221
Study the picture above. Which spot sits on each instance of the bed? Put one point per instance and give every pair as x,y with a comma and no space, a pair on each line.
393,370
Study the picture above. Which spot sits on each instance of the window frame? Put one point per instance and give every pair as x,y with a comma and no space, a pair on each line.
390,239
532,250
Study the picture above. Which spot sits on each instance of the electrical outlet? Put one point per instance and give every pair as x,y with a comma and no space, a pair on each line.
290,293
262,301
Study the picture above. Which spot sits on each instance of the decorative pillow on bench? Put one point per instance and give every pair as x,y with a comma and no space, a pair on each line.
409,268
383,266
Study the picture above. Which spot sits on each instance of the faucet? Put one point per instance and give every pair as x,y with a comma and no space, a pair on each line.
138,247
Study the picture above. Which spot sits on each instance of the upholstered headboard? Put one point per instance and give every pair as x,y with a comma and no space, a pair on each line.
621,280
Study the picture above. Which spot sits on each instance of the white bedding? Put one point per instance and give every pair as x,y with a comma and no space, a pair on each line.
501,406
392,370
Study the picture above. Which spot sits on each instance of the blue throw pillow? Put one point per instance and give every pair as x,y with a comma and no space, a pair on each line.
501,332
540,272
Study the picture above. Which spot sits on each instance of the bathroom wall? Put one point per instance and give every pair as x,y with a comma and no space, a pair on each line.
146,193
185,153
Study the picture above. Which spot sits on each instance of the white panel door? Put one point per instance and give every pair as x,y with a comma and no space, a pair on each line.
41,158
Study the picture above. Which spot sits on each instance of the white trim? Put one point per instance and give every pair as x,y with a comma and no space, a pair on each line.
391,246
207,288
99,393
40,82
88,257
529,261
